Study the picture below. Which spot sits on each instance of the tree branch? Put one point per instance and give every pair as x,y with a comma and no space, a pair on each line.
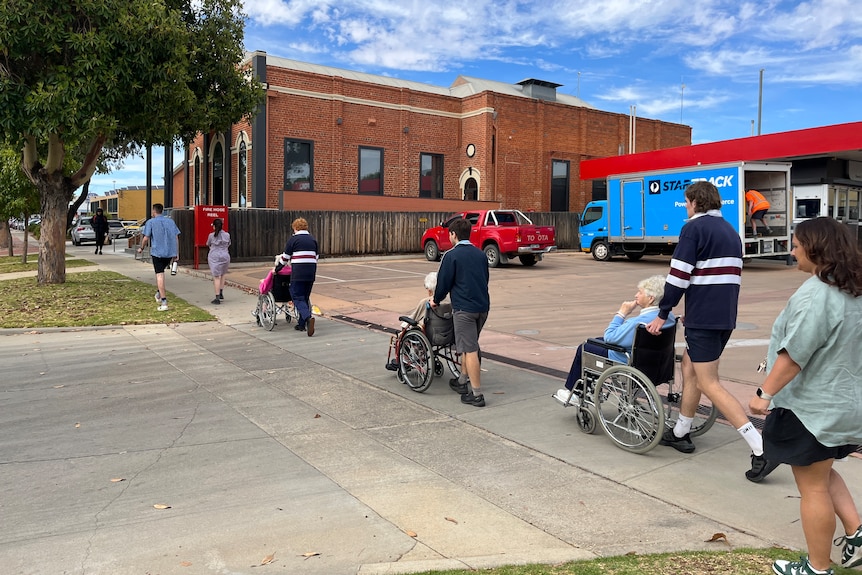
56,153
88,167
30,157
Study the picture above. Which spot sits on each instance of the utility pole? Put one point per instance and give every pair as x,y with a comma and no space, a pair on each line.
579,84
760,102
681,99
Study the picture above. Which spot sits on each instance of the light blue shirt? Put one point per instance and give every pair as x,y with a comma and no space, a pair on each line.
622,332
163,234
821,330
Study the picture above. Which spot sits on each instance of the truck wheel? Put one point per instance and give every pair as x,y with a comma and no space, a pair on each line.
432,252
492,252
634,257
528,260
601,251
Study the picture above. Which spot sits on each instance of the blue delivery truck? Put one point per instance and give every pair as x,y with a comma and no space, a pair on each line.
644,212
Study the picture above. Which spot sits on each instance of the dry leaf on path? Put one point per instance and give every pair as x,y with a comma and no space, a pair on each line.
77,425
452,520
316,416
718,537
58,386
117,479
310,554
268,559
185,563
161,506
411,533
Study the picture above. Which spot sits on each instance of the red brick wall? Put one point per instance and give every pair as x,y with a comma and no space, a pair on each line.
528,133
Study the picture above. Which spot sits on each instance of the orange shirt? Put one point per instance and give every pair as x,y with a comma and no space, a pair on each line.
757,200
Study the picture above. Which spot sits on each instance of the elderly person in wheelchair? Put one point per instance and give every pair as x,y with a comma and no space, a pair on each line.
620,332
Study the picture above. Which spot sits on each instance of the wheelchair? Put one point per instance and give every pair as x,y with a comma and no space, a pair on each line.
623,398
274,302
420,349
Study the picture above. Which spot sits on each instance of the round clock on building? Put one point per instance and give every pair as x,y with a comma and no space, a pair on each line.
471,150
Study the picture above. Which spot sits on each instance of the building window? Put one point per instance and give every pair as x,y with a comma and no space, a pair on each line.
559,186
197,180
430,176
241,175
371,171
298,161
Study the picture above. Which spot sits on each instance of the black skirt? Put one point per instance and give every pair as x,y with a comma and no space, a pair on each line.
785,439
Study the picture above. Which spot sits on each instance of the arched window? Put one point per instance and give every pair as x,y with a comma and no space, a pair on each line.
241,176
197,180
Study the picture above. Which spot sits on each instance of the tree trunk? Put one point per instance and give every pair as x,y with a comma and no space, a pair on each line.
6,237
56,195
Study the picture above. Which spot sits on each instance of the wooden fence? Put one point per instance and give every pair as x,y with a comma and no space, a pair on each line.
257,234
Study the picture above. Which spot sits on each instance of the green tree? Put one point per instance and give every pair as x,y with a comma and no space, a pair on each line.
18,196
86,74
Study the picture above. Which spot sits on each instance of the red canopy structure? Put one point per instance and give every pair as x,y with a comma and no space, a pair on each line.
839,140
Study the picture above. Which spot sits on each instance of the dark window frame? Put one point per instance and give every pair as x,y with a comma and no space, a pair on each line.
289,183
435,191
242,175
359,178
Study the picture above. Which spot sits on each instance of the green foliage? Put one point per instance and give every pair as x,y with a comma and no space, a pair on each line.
18,195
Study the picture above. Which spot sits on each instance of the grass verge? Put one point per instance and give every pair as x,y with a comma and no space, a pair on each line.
88,299
13,264
735,562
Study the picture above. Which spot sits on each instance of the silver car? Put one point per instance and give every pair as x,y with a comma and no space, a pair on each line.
83,232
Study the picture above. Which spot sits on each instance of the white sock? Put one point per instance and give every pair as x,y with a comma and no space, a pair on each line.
683,425
750,434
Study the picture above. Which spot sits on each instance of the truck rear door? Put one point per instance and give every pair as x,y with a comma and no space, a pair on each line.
633,210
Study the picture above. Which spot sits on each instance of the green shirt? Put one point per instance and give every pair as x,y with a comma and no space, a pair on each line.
821,330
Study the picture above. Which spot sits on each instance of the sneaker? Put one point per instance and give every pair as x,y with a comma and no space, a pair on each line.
392,365
221,296
682,444
564,396
298,327
309,326
474,400
216,301
163,307
851,555
459,388
801,567
158,297
760,468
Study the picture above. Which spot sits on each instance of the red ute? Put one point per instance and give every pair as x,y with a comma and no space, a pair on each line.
501,234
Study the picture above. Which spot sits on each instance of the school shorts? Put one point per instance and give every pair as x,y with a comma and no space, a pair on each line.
705,345
161,264
467,326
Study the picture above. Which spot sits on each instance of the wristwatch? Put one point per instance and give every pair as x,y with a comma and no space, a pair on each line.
762,394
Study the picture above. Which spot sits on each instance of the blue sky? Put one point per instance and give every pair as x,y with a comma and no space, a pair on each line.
612,53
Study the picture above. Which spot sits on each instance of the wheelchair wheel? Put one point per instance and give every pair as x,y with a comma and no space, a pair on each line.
416,360
587,419
453,360
266,315
629,409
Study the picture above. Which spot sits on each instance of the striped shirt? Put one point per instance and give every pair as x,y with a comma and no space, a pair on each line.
301,253
707,268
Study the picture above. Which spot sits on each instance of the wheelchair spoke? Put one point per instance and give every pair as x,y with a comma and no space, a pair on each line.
629,409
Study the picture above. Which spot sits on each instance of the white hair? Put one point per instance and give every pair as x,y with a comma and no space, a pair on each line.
653,286
431,281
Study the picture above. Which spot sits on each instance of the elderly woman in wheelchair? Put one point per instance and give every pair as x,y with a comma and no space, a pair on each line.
607,386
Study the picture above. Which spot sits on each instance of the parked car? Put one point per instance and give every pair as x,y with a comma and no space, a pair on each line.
83,231
116,229
132,226
501,234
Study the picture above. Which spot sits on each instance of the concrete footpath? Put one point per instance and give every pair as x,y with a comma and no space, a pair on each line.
224,448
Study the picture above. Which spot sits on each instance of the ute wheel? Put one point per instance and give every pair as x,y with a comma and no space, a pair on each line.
529,260
432,252
601,251
492,252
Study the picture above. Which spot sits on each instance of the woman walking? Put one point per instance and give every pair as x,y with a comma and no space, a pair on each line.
815,389
218,258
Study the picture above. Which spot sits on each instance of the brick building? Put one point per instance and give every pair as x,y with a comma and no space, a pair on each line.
333,139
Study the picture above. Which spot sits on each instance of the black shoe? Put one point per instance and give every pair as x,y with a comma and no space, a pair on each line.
682,444
298,327
760,468
216,301
460,388
221,295
474,400
392,365
310,326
